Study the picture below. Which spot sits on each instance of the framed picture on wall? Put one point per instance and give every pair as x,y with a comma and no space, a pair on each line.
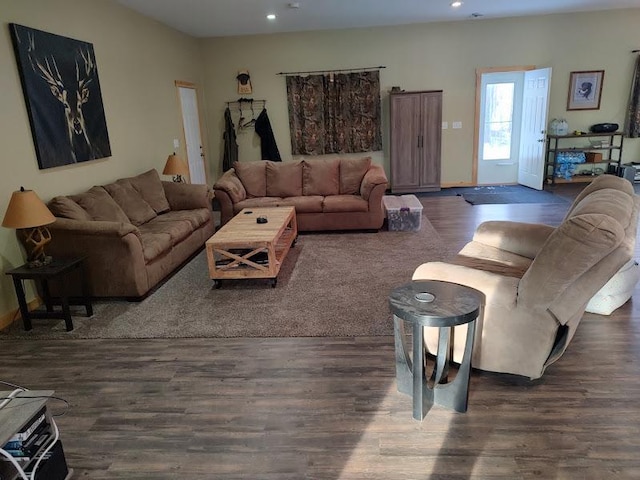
62,94
585,89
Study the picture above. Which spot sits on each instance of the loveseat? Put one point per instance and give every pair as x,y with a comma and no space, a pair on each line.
134,232
538,279
336,194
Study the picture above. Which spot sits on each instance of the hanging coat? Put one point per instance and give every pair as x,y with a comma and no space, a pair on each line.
230,145
268,146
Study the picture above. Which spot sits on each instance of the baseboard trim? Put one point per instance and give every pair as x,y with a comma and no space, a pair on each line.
14,315
457,184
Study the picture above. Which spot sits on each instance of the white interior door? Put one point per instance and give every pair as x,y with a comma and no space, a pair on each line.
534,125
192,134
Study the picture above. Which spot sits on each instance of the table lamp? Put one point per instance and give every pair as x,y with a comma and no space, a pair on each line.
177,167
29,215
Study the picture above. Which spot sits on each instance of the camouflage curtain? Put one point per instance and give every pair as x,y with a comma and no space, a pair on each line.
334,113
632,127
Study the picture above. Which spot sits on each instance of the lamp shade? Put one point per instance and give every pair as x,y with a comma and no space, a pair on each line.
26,210
175,166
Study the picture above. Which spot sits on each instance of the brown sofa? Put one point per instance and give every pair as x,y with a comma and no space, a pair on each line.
336,194
134,232
539,279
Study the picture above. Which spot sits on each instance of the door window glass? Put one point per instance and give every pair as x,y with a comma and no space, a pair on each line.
498,121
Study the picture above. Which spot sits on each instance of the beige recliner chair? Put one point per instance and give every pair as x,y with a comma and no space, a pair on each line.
538,279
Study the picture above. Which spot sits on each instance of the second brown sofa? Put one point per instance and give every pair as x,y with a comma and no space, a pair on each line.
336,194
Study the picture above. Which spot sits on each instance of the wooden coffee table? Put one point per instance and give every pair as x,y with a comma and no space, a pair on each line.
244,248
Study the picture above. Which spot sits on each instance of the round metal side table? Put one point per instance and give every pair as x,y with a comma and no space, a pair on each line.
434,303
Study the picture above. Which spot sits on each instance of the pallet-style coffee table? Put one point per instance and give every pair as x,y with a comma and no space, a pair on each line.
244,248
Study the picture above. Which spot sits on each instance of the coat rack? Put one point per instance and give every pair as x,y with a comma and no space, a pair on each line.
238,106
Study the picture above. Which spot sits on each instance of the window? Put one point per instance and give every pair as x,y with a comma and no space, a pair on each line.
498,121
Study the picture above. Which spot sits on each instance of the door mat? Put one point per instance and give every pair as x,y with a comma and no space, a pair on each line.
504,194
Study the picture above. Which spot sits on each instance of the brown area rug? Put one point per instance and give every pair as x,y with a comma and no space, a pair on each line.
331,284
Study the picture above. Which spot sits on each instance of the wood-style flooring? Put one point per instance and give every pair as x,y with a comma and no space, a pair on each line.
327,408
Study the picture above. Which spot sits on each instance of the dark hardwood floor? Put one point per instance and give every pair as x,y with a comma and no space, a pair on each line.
327,408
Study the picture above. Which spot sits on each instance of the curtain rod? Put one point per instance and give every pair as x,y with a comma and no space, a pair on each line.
334,71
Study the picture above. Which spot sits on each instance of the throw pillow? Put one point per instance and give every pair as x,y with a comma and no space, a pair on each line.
64,207
149,185
131,202
284,179
321,177
253,177
99,204
352,171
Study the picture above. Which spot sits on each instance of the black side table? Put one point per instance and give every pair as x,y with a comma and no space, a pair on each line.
58,268
433,303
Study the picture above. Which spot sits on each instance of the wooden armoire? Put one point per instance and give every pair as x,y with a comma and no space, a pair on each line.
416,133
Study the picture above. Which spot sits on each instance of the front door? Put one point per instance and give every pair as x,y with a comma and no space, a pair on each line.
534,125
499,127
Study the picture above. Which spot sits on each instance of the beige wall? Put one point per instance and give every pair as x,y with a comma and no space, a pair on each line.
138,61
431,56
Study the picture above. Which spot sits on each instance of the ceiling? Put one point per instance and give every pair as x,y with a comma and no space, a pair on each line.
215,18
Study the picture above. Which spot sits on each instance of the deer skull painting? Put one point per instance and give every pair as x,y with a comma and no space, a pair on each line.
62,92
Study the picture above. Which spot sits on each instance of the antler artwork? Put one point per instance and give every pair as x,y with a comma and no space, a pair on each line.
71,99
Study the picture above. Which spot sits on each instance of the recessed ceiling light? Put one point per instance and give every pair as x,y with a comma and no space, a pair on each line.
271,16
456,4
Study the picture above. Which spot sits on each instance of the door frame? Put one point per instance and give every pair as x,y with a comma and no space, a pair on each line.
476,126
184,84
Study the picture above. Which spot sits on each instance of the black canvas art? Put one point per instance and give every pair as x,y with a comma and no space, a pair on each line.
62,92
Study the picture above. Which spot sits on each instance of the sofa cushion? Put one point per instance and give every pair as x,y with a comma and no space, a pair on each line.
149,185
253,177
155,244
100,206
64,207
352,172
196,217
303,204
321,177
284,179
345,203
131,202
178,230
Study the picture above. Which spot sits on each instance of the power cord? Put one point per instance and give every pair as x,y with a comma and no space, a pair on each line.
56,434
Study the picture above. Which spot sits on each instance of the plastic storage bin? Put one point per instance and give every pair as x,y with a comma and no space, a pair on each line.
404,213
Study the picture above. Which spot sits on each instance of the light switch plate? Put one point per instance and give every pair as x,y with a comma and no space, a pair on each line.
176,143
457,124
445,125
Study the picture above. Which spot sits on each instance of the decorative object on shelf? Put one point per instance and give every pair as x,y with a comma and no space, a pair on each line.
177,167
558,126
244,82
585,90
29,215
62,94
604,128
566,163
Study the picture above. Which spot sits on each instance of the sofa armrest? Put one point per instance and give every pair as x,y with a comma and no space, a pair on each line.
374,176
187,196
231,185
525,239
115,264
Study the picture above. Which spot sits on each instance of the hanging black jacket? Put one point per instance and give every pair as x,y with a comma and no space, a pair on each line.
268,146
230,144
